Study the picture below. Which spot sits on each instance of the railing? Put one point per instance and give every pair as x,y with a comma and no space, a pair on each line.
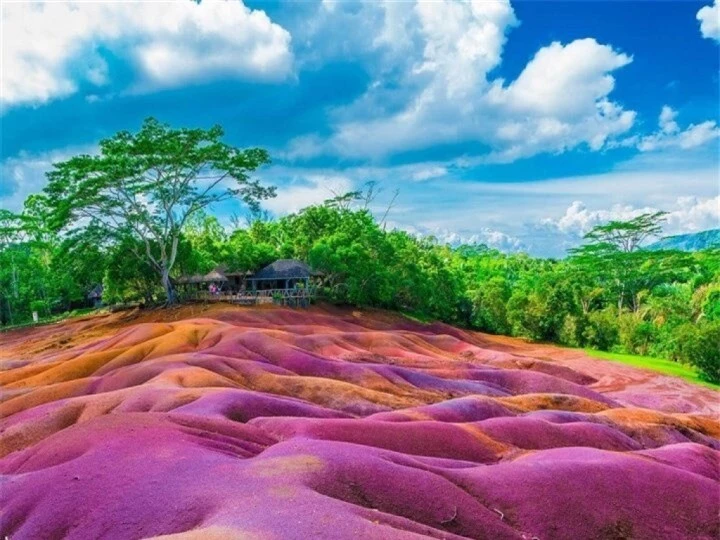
267,296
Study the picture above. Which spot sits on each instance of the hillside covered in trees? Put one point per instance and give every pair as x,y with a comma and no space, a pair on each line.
689,242
138,216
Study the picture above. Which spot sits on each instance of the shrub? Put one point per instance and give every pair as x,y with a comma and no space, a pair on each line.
601,331
539,313
700,346
711,303
525,315
635,335
490,307
571,331
664,342
41,306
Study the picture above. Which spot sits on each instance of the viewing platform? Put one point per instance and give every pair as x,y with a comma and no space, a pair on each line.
285,282
284,297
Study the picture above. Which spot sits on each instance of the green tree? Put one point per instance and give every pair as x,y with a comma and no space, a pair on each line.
699,345
354,260
490,306
628,236
148,184
601,331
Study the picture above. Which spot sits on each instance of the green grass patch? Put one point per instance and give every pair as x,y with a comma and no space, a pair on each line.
660,365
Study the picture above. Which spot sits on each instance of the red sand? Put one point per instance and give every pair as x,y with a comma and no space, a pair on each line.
222,422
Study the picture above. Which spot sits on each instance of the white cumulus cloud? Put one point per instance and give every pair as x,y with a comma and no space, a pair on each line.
307,191
561,100
441,54
483,235
578,219
694,214
709,17
462,43
688,214
670,135
584,66
49,49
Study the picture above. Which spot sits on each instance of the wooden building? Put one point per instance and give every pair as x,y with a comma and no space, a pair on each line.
286,281
283,274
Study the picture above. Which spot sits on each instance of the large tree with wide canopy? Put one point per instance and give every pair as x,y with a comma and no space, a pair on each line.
147,185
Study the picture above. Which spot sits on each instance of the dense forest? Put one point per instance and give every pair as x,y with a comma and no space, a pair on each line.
138,216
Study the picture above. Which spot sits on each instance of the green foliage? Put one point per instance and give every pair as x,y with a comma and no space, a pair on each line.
627,236
135,217
699,345
537,307
208,244
635,335
126,278
40,307
571,331
355,260
601,331
490,306
706,301
148,186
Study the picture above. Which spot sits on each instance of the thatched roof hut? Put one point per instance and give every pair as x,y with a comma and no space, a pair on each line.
283,269
214,276
282,274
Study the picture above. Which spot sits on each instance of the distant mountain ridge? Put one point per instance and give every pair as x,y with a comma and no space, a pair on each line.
689,242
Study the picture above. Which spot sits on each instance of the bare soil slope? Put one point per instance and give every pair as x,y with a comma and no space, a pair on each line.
225,422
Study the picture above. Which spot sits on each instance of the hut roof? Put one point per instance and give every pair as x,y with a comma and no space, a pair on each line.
237,274
284,269
214,276
219,274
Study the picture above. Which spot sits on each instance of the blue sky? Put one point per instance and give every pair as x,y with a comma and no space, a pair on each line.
518,124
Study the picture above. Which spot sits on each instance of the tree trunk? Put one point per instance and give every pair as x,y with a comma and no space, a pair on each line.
171,297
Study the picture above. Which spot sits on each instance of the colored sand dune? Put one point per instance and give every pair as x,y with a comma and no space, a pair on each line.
273,423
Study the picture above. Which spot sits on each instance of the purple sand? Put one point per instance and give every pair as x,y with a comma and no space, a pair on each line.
274,424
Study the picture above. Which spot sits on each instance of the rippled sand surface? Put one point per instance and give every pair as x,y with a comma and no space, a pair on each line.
222,422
